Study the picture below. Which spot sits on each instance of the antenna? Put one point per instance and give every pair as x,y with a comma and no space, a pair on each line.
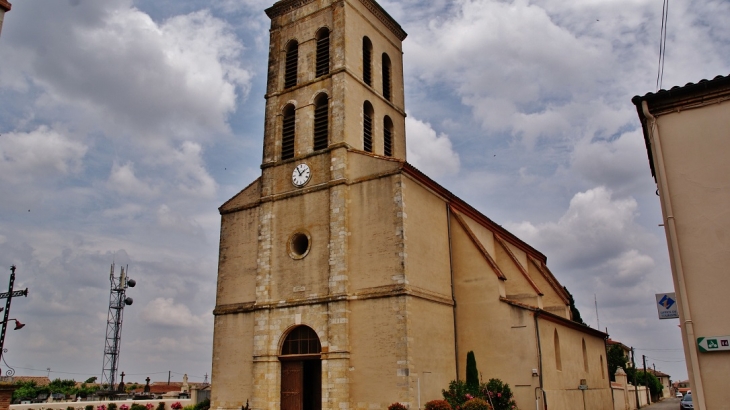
598,322
112,344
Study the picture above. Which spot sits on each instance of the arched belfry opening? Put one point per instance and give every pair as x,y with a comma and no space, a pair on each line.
301,370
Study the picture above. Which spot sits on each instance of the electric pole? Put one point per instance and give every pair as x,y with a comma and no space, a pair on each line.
636,387
646,380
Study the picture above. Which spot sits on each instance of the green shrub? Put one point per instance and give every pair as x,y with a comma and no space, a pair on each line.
161,406
397,406
137,406
112,406
499,395
189,407
69,408
438,405
205,405
456,395
476,404
89,407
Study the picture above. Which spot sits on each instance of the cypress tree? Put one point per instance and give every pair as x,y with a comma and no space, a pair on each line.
472,374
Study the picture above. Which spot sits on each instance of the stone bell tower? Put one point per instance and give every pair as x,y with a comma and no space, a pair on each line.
310,310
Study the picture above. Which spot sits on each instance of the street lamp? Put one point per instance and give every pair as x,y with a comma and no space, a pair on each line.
9,296
18,325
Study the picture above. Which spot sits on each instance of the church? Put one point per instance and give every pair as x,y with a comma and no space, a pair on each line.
347,278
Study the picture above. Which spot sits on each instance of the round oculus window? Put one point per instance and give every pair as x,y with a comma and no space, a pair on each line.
299,245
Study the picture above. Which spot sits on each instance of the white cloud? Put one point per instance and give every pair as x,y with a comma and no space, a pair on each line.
124,181
191,176
118,67
429,152
616,163
165,312
40,154
595,229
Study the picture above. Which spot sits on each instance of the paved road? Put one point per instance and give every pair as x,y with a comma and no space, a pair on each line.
665,404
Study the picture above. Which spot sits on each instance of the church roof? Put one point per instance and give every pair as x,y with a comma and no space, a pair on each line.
463,207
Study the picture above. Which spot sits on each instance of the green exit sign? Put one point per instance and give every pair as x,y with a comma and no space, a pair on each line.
713,343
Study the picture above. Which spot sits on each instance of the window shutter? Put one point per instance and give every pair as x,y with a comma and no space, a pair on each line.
321,120
287,135
323,55
290,73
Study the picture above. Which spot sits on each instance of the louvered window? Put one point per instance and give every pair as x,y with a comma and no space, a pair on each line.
387,137
323,52
287,134
386,77
367,61
321,123
367,134
292,58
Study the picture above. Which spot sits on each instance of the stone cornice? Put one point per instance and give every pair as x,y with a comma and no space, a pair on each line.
385,18
364,294
284,6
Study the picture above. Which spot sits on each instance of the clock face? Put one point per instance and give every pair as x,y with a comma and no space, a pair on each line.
300,175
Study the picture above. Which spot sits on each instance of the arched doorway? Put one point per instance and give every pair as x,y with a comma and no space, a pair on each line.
301,370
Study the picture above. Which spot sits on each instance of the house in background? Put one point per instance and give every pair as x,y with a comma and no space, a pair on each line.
625,349
687,135
4,8
665,380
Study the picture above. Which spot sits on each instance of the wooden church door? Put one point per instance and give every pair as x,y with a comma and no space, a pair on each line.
292,385
301,370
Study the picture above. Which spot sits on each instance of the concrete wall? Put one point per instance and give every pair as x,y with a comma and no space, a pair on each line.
563,369
693,180
81,405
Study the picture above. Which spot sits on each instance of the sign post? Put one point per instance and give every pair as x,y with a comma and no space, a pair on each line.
713,343
667,305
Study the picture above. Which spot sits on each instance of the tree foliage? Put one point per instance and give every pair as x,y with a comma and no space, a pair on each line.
67,387
494,392
615,358
472,374
574,310
655,386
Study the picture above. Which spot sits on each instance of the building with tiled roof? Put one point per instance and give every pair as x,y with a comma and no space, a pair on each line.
665,380
687,136
625,349
4,7
39,380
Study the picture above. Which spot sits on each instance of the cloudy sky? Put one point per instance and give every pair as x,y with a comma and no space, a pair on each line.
125,124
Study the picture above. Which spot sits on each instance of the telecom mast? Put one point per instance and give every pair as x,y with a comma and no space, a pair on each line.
112,344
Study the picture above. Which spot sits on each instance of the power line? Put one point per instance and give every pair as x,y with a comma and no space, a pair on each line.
662,45
659,350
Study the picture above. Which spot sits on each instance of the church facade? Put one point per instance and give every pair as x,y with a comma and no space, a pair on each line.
347,278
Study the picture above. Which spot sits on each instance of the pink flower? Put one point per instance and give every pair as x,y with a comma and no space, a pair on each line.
149,406
123,407
469,396
176,406
499,394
